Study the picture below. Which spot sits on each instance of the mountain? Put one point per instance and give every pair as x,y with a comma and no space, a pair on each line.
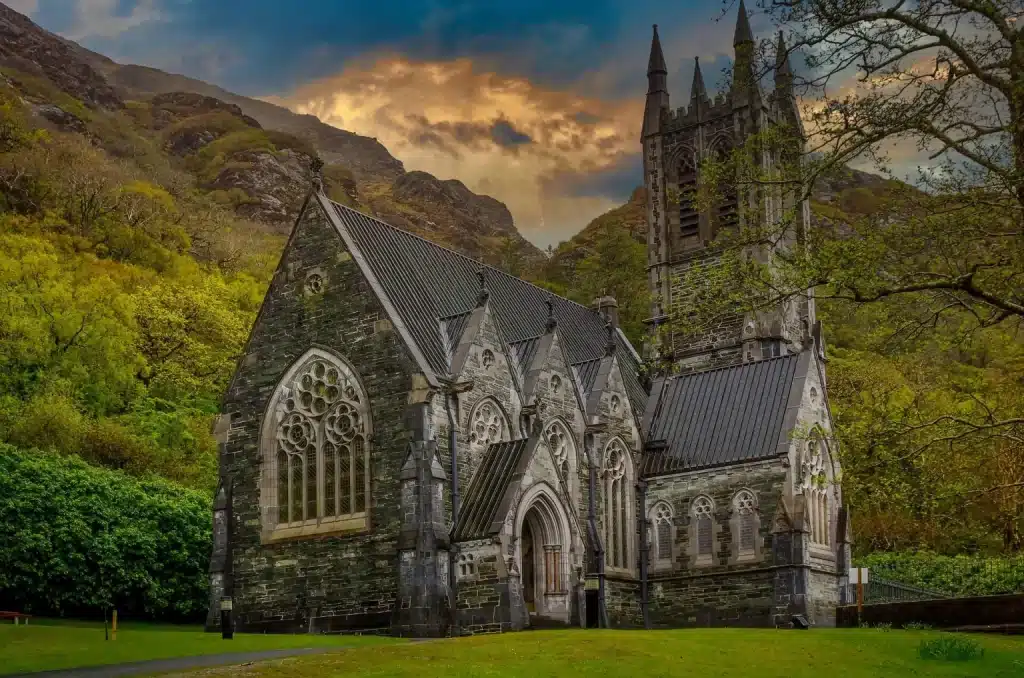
249,154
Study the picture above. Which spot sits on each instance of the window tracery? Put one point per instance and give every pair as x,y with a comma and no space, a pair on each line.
814,485
487,424
661,533
560,443
618,473
317,438
746,524
704,522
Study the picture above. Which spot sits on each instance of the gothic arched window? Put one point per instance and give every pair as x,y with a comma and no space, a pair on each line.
618,475
661,534
563,450
746,525
814,485
316,449
487,425
702,531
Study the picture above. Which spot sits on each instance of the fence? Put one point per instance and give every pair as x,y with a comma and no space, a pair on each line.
927,575
879,590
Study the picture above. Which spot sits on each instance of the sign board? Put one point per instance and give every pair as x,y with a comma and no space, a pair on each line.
863,575
592,584
225,604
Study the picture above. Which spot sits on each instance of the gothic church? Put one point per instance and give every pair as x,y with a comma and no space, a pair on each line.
418,444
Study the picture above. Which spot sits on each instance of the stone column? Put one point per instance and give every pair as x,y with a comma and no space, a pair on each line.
423,608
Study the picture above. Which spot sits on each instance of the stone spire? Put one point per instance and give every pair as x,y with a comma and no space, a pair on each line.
743,34
552,321
699,101
657,87
745,89
783,72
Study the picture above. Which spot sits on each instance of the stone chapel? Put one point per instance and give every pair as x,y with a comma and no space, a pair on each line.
418,444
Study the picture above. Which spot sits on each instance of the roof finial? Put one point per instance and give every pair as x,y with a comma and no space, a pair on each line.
610,346
656,62
484,294
316,169
551,321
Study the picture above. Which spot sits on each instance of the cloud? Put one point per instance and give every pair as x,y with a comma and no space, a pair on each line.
26,7
532,147
107,18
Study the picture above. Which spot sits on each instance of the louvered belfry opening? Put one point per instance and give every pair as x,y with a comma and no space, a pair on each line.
689,216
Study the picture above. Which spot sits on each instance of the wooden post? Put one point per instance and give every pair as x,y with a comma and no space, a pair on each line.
106,632
113,632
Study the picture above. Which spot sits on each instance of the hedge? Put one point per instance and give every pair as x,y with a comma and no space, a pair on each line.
962,575
75,539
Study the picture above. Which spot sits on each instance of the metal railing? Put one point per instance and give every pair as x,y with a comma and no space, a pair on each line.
879,590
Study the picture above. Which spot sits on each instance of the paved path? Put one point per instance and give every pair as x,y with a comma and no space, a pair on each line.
175,664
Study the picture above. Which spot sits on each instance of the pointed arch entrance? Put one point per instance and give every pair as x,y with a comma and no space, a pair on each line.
543,540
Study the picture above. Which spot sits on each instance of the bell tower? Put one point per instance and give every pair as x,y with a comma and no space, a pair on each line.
682,237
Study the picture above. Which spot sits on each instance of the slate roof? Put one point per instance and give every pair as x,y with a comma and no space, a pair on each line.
426,283
723,416
486,502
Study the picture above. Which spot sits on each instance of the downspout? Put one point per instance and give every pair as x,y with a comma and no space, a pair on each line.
595,538
451,402
642,524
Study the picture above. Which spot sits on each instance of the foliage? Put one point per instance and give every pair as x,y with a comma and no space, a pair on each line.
961,575
123,304
77,539
951,649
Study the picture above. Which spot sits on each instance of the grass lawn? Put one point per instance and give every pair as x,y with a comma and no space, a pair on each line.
46,644
710,653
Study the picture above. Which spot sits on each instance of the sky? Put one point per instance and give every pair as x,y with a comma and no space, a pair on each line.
535,102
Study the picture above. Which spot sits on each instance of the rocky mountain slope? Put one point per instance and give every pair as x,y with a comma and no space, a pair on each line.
250,154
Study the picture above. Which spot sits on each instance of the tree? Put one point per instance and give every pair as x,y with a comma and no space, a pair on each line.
930,274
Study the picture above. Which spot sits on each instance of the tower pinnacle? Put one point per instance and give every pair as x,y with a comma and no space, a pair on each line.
743,33
698,91
656,64
657,87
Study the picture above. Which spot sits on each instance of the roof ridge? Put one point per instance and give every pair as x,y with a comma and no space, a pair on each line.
736,365
458,254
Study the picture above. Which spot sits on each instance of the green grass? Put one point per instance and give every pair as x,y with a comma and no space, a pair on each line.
714,653
45,644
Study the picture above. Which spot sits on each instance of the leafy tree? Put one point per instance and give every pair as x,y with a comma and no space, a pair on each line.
921,285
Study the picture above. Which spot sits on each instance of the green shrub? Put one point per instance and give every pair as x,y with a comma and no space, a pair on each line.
950,649
75,538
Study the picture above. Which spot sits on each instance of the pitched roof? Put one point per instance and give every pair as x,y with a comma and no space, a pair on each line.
425,283
723,416
482,511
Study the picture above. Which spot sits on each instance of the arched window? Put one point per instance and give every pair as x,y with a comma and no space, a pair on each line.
563,450
618,474
702,533
661,534
316,446
814,485
745,525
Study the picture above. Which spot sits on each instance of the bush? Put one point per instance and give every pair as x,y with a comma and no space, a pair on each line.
75,539
950,649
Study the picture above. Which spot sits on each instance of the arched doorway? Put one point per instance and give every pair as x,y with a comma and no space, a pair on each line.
544,543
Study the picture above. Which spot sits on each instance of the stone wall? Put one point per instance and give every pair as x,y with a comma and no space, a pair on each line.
741,597
622,601
340,581
822,597
489,601
716,346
